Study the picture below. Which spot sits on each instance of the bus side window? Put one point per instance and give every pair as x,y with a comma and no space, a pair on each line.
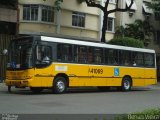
43,54
149,60
113,57
98,55
137,59
125,57
90,55
64,53
110,56
106,55
82,54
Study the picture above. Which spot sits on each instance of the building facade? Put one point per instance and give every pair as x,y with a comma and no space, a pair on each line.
74,19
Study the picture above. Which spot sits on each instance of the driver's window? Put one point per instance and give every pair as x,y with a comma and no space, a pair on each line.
43,54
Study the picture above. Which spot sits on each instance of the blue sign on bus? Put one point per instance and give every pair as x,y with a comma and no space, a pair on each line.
116,71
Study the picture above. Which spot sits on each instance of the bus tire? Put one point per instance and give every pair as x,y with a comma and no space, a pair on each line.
36,90
59,85
126,84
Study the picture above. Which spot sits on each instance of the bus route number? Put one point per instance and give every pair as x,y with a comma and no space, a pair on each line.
95,71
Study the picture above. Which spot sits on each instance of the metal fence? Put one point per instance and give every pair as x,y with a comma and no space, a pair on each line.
4,43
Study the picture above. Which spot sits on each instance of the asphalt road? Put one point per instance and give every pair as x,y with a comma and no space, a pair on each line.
79,101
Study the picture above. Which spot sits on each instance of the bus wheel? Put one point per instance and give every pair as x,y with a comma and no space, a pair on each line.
36,89
126,84
60,85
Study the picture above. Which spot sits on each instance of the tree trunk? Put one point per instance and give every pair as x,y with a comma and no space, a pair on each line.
104,27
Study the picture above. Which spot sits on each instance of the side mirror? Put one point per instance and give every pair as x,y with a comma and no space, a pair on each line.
4,52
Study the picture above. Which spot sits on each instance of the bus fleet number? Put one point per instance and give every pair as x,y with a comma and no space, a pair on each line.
95,71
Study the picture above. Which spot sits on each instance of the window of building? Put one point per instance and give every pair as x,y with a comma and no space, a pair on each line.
30,12
110,24
78,19
38,13
47,14
112,1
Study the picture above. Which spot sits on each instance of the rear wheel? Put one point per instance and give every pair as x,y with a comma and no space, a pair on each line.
59,85
126,84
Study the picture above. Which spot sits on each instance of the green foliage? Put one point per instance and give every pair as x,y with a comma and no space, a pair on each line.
126,41
155,5
139,30
58,4
150,114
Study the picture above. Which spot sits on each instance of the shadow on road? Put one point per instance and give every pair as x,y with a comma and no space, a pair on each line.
82,90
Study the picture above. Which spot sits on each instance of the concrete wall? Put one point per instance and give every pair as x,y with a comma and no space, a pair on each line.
8,15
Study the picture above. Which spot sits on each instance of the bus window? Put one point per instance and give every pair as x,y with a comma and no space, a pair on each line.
98,55
106,56
137,59
90,55
64,53
113,57
43,54
124,58
149,60
82,54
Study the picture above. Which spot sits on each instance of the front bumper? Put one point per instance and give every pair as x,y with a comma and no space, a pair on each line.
17,83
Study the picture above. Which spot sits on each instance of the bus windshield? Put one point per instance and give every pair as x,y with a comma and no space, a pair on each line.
21,56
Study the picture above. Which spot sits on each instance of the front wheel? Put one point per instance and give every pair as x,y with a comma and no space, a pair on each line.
126,84
59,85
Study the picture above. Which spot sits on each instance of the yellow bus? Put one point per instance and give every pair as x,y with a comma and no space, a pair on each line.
42,62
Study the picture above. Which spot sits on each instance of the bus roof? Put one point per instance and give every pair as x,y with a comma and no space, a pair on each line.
94,44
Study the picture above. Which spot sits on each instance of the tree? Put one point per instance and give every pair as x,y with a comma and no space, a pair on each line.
106,12
141,30
155,5
127,41
104,9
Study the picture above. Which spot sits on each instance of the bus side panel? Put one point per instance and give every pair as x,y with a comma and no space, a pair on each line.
97,75
137,75
78,74
43,77
151,77
113,78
